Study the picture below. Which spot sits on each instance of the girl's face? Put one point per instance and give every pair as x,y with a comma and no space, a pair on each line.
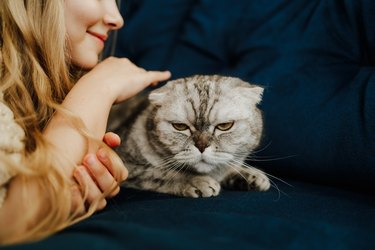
88,23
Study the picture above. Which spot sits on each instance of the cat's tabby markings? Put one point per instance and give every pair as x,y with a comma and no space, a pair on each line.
192,137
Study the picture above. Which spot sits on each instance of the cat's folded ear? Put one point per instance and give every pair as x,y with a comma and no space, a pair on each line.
157,96
252,92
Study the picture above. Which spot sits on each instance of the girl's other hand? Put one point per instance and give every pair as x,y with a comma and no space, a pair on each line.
101,173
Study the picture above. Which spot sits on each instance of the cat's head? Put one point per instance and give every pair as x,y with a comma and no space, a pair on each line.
205,122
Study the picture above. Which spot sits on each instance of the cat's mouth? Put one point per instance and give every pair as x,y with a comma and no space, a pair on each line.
203,166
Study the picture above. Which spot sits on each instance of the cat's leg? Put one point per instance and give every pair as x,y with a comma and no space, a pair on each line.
179,183
247,179
185,185
200,186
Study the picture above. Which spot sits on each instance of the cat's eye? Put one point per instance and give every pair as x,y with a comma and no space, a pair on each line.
225,126
180,126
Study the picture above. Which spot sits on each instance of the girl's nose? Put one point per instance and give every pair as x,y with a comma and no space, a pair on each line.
112,16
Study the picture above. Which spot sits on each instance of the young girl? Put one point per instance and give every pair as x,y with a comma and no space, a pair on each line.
54,169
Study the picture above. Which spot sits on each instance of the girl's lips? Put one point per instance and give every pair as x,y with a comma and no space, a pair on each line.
99,36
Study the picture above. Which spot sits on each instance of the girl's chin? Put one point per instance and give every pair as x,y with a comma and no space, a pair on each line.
86,63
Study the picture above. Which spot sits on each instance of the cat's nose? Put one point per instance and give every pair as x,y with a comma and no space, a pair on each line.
201,146
202,141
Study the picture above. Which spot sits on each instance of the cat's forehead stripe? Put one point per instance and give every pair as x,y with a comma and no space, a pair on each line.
190,100
202,94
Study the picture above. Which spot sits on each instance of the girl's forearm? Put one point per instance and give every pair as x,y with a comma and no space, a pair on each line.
91,102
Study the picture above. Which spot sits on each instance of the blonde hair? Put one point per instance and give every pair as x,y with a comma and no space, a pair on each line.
35,77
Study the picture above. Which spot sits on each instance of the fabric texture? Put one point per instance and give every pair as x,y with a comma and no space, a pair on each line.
305,217
11,146
316,59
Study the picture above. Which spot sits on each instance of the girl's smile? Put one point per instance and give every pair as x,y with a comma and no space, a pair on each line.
88,24
101,37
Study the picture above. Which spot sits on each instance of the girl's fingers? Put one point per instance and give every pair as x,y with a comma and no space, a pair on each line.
154,77
115,192
88,187
113,164
112,139
78,206
99,172
103,157
158,76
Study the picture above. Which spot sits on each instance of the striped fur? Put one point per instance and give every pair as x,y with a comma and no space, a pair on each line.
199,160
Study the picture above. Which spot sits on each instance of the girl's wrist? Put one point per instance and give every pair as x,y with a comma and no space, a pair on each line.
90,87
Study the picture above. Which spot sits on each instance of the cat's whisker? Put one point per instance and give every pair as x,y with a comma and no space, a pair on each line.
252,157
168,163
240,155
260,171
171,166
176,170
182,167
164,164
263,148
234,167
267,158
273,184
165,161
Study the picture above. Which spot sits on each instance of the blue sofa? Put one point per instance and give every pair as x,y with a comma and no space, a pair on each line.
316,60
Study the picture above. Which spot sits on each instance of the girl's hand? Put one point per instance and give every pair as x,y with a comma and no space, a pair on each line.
101,173
122,79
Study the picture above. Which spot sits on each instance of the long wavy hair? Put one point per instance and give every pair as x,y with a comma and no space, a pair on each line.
35,76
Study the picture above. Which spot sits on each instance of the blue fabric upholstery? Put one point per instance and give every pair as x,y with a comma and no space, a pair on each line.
310,217
316,59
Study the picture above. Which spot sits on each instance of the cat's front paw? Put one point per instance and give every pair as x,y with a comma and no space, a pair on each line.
201,186
247,179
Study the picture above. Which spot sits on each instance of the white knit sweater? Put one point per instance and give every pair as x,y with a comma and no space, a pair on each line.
11,146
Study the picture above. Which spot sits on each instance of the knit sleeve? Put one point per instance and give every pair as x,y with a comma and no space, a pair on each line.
11,146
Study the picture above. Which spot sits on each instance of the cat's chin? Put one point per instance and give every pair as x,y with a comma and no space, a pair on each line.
203,167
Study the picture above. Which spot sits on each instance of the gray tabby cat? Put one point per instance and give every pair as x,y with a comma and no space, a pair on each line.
193,136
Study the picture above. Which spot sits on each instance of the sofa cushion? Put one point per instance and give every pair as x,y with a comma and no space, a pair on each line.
304,217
